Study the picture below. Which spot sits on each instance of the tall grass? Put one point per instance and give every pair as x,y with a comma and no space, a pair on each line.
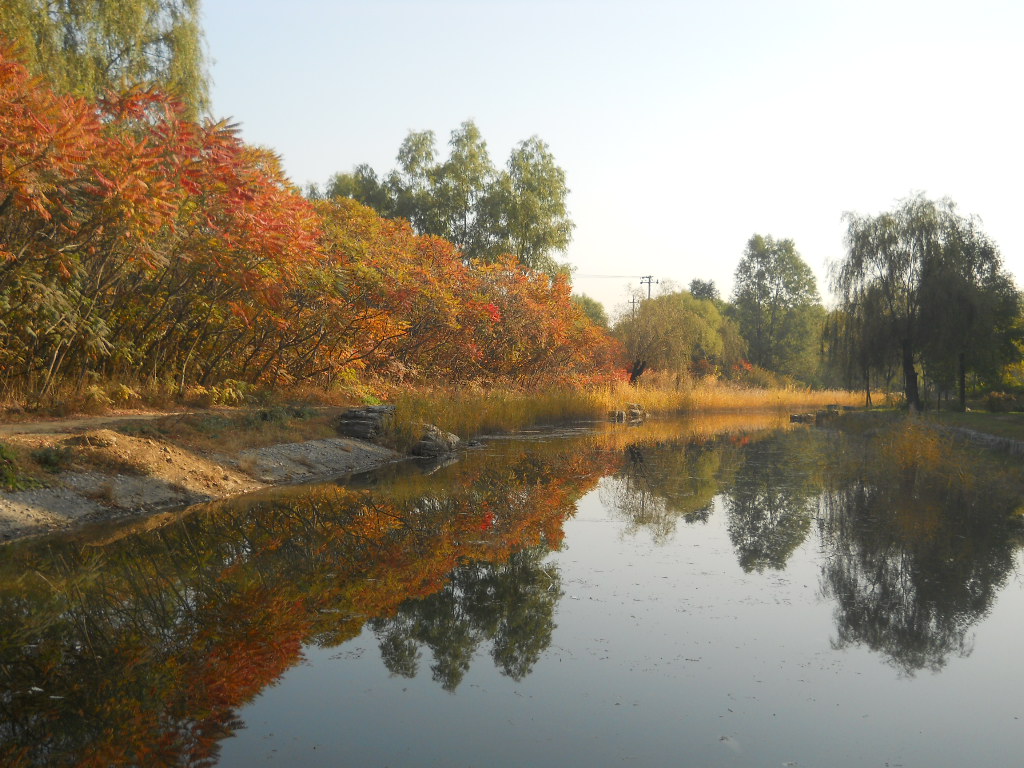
914,451
469,410
475,410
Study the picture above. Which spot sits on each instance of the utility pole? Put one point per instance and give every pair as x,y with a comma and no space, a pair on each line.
634,301
649,280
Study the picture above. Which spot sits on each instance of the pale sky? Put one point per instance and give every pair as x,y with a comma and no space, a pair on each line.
683,127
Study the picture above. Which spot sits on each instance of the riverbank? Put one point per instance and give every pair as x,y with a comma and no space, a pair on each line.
1002,433
58,474
63,474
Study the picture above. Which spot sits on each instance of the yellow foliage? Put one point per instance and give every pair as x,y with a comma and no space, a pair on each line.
96,397
124,394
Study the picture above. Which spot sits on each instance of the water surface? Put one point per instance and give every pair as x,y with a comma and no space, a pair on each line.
709,593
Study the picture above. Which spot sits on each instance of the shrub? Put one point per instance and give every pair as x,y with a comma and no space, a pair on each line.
1001,402
11,478
52,458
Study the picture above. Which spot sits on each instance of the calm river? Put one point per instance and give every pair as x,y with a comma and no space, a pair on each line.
717,592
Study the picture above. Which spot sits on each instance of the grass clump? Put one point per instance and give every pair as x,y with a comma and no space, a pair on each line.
11,476
53,458
915,446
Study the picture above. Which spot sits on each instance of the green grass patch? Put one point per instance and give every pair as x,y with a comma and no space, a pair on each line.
1009,425
53,458
12,477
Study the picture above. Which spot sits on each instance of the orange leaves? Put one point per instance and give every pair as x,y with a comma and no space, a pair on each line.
492,311
440,317
191,255
44,140
541,337
239,310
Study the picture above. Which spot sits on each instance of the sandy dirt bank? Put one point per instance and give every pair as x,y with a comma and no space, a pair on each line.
110,475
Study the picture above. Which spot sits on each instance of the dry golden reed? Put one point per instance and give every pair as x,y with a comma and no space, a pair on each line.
475,410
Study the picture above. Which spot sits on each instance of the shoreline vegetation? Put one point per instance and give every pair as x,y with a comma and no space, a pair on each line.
473,411
113,464
58,475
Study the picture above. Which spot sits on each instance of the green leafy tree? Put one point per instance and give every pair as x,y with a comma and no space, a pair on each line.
459,185
678,333
486,213
87,47
776,303
592,308
705,289
936,282
411,185
525,209
360,184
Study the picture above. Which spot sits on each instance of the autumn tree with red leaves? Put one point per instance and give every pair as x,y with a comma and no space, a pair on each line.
137,245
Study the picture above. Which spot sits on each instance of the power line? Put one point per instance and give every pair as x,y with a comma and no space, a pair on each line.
616,276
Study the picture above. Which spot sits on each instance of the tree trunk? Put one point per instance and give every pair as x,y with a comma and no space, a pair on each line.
910,377
961,375
639,366
867,389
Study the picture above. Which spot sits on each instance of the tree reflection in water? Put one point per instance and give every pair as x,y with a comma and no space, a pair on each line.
509,604
663,482
919,546
138,648
773,499
919,535
769,484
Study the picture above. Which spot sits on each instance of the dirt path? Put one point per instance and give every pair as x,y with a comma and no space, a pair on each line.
63,426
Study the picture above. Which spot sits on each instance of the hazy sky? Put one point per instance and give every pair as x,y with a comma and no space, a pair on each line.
683,127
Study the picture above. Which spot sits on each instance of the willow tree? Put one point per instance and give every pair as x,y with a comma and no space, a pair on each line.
88,47
970,310
678,333
856,342
937,285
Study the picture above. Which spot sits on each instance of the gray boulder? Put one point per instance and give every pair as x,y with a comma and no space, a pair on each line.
634,414
435,442
364,423
637,412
